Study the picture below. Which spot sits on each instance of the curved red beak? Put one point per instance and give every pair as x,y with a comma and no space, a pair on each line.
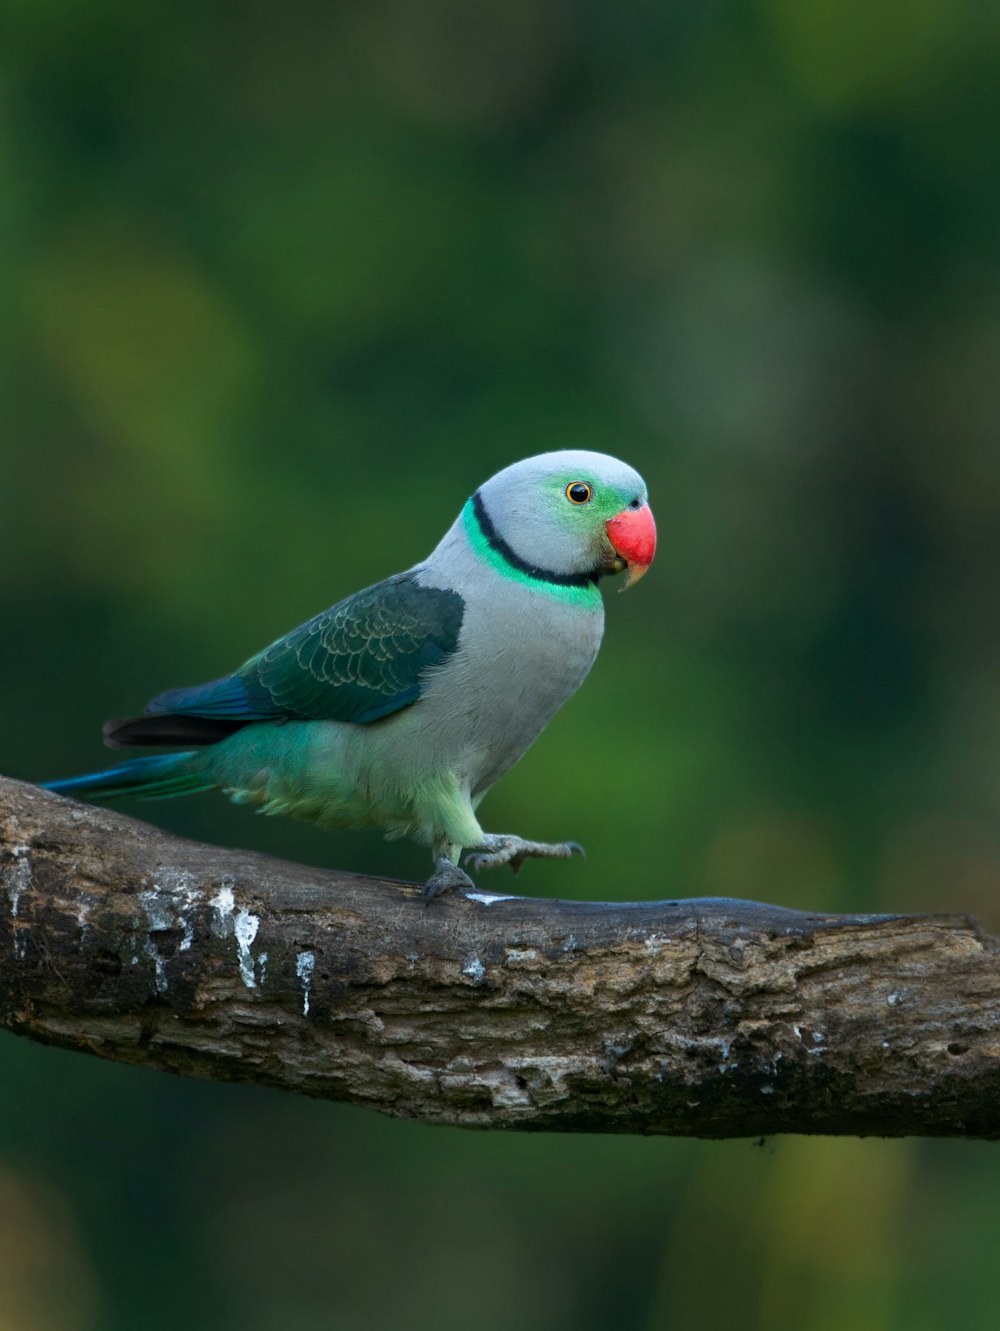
633,535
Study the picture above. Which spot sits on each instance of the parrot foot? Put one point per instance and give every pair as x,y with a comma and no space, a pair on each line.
512,850
446,876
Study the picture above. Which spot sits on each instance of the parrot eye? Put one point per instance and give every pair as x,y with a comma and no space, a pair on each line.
578,492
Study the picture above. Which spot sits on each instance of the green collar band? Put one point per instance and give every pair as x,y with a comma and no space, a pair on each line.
492,549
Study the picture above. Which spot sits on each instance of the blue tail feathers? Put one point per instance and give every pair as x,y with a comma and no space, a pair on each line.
157,777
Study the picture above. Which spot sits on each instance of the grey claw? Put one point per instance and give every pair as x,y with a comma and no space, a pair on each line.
576,849
446,877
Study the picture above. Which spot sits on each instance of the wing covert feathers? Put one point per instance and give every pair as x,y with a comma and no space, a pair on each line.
359,661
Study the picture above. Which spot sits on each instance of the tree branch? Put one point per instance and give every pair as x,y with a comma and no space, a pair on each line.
707,1018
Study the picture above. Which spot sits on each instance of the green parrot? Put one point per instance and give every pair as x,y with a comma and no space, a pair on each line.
402,705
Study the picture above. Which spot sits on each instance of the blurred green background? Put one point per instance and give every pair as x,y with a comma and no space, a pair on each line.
280,286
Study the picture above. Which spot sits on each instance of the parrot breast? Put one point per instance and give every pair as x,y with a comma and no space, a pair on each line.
521,655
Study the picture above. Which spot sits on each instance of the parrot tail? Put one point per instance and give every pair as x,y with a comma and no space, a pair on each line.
152,778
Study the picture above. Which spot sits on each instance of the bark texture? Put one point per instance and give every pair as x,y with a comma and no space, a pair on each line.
710,1018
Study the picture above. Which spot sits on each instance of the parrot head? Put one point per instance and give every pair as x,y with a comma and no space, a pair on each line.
573,513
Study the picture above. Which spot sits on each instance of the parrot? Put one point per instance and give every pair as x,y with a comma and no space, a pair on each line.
402,705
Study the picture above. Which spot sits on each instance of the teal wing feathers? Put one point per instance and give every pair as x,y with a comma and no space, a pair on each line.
359,661
363,659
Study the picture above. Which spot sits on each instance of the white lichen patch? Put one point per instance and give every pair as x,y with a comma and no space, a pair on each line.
84,906
262,963
304,967
488,898
245,928
242,925
819,1047
180,886
519,954
474,969
169,903
161,917
17,877
223,907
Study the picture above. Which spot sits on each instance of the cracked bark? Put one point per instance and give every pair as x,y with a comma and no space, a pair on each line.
710,1018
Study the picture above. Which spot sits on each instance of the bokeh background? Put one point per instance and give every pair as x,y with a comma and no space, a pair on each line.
280,285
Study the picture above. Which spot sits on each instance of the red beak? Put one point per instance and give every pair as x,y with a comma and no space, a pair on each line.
633,535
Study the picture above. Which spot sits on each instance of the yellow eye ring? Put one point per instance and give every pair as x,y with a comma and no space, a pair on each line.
579,492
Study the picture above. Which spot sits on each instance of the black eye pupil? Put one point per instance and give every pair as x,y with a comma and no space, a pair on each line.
579,493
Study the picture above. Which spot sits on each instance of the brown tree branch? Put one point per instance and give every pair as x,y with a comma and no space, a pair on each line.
708,1018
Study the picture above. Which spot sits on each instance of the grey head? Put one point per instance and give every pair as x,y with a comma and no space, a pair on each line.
573,515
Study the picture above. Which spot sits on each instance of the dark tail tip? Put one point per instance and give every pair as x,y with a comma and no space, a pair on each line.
180,730
114,734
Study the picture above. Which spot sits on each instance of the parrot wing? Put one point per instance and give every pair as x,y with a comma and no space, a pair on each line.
359,661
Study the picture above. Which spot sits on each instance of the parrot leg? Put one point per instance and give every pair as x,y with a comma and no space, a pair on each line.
446,876
497,849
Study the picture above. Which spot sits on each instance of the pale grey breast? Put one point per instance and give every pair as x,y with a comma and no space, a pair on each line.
522,653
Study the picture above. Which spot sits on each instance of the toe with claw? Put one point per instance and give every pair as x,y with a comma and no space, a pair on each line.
512,850
446,876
